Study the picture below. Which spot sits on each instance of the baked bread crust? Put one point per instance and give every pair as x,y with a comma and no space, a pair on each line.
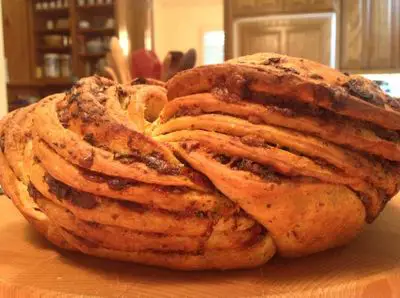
296,79
218,169
141,211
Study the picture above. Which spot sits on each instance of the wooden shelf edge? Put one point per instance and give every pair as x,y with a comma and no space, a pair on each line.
95,31
96,6
53,31
54,49
93,56
42,83
51,10
55,81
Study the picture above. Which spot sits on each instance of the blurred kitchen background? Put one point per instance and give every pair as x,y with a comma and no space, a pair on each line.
49,44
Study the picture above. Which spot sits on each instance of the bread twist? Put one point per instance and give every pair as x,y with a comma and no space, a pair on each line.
219,169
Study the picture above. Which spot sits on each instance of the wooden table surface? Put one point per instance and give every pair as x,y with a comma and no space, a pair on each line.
368,267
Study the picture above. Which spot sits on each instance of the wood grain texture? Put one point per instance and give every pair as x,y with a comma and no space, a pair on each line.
16,39
261,36
255,7
77,65
228,21
308,5
370,35
263,7
380,37
396,33
352,38
300,37
368,267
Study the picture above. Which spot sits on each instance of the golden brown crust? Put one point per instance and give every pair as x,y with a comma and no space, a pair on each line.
148,81
337,131
79,152
297,79
17,191
135,216
294,212
165,197
264,153
351,163
114,237
256,255
283,162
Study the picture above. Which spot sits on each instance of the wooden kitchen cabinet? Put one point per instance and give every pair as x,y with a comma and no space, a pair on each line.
17,44
254,7
308,5
367,31
298,36
294,27
370,36
262,7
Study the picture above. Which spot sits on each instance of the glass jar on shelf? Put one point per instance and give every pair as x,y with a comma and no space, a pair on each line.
65,65
52,65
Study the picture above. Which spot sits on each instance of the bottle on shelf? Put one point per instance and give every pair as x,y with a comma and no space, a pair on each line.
65,66
52,65
49,25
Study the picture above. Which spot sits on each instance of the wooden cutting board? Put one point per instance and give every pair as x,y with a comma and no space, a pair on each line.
368,267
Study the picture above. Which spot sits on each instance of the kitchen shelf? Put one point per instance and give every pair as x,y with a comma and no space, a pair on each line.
46,49
100,31
53,12
78,38
93,56
54,31
43,82
54,81
97,7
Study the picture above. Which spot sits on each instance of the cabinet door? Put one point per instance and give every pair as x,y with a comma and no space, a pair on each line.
298,35
16,40
380,39
370,35
254,7
353,24
257,37
308,5
264,7
396,34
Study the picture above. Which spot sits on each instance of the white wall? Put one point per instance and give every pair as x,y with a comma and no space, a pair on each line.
3,80
180,24
393,80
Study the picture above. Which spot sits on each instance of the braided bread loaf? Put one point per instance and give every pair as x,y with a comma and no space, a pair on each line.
219,169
